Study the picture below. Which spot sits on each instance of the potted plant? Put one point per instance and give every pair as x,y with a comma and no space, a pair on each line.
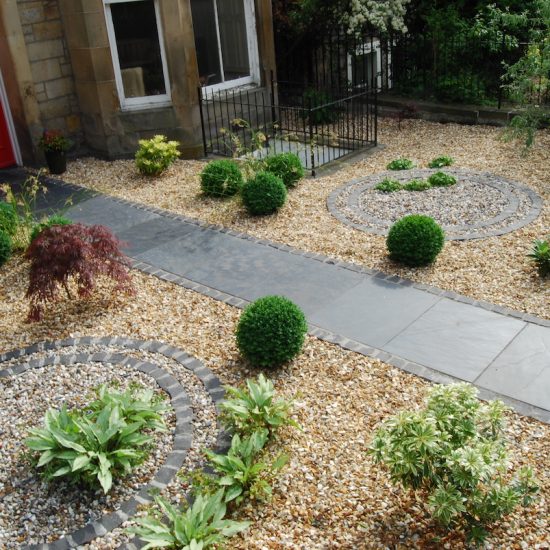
55,146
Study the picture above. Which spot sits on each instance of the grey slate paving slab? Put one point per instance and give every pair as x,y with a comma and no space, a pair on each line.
240,268
374,311
104,211
455,338
522,370
151,234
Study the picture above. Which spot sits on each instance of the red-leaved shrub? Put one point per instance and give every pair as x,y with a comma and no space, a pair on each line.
76,251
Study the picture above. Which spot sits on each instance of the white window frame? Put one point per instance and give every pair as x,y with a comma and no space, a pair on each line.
365,49
134,103
253,55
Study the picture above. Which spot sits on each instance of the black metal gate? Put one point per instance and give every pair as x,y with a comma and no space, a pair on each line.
318,124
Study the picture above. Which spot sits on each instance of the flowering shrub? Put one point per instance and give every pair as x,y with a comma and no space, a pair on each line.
452,453
54,140
155,155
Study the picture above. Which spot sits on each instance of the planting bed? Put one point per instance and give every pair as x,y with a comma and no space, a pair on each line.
330,495
478,205
493,269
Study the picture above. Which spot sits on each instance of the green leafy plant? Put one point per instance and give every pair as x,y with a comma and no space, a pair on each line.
198,527
240,475
155,155
415,240
23,203
540,255
9,220
286,166
440,162
99,443
440,179
388,186
221,178
452,453
54,140
400,164
271,331
5,247
318,107
52,220
416,185
255,408
264,194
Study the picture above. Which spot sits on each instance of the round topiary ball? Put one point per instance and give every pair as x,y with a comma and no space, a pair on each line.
8,218
415,240
271,331
264,194
5,247
221,178
286,166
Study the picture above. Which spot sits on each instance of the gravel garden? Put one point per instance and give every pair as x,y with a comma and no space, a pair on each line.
114,412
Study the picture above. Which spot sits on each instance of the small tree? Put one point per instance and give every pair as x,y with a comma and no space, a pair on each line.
78,252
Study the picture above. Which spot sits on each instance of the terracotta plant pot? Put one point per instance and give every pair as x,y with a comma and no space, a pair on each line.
57,161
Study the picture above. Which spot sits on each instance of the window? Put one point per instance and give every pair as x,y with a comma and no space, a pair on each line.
365,65
226,42
135,36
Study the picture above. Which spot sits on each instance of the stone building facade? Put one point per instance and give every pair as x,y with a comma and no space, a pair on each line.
110,72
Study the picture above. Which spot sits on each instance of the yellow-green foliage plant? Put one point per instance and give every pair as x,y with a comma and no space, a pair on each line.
155,155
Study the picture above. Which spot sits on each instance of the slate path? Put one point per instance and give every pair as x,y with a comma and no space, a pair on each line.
436,334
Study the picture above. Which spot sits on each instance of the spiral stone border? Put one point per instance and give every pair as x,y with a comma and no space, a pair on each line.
178,399
477,230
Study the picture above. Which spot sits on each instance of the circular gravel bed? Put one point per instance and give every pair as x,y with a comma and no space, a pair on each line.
479,205
36,514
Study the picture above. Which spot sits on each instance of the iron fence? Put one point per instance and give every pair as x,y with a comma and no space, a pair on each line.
318,124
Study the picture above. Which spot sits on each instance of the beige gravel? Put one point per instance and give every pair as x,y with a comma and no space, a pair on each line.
493,269
330,496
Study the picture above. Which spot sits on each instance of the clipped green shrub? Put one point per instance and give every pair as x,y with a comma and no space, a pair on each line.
400,164
415,240
439,162
452,454
221,178
271,331
6,247
52,220
264,194
416,185
388,186
286,166
9,220
440,179
155,155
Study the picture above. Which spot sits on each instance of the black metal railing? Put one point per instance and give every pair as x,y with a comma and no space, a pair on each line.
320,125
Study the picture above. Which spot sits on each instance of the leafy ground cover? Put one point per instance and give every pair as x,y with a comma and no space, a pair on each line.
494,269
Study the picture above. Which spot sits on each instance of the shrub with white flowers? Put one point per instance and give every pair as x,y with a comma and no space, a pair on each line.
383,15
453,454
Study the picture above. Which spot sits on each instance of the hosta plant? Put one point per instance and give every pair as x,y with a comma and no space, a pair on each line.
99,443
416,185
452,454
400,164
198,527
440,179
76,252
240,474
255,408
440,162
540,255
388,186
155,155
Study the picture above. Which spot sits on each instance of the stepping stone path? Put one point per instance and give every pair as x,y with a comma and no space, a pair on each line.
126,352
